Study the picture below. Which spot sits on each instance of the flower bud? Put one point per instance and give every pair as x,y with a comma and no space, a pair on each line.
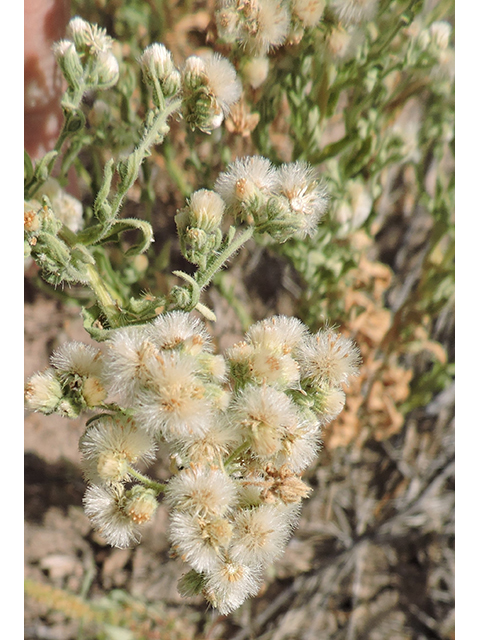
66,208
190,584
107,69
157,64
193,73
440,32
68,61
68,409
140,504
206,210
112,466
78,30
43,392
88,38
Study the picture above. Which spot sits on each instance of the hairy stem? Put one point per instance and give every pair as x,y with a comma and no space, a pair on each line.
110,307
146,481
142,151
206,277
235,454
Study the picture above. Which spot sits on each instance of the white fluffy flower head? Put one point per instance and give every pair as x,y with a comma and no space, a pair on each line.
260,534
263,415
206,209
201,491
306,194
282,334
179,330
309,12
328,357
210,88
77,358
105,506
200,541
222,80
43,392
299,446
230,584
175,404
258,25
108,446
273,22
128,356
246,180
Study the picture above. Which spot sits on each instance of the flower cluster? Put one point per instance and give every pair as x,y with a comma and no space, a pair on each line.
241,427
86,56
262,25
283,202
66,208
72,384
208,85
42,223
259,26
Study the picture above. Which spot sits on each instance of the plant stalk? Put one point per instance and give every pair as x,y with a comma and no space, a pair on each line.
146,481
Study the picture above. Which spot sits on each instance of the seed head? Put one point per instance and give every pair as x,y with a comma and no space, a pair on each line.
230,584
328,357
105,506
201,491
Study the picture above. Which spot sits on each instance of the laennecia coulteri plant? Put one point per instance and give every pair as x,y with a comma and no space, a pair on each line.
240,427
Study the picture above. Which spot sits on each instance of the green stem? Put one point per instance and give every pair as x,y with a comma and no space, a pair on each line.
236,454
146,481
109,306
175,171
73,105
142,151
206,277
